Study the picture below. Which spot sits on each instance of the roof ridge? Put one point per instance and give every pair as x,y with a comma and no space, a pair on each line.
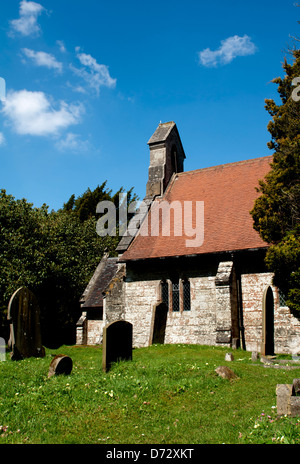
225,165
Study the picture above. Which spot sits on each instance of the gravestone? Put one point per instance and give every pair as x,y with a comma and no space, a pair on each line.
25,330
288,399
60,365
2,349
229,357
226,373
284,393
117,343
296,387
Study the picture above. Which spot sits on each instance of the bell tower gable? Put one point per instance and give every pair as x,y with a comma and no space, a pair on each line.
166,158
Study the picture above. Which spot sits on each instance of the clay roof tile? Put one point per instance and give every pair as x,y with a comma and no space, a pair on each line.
228,192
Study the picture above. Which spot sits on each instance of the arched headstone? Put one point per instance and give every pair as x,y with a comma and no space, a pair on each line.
25,329
117,343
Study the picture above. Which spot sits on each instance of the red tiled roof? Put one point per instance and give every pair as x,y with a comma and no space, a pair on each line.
228,192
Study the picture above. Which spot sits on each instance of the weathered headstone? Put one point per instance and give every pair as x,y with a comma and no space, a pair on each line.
284,393
229,357
225,373
288,399
2,349
295,406
60,365
117,343
25,329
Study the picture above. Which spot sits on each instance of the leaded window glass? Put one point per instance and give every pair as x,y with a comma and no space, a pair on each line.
175,296
282,298
165,293
186,295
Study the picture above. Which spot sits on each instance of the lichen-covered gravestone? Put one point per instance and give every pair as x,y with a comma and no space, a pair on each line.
25,329
117,343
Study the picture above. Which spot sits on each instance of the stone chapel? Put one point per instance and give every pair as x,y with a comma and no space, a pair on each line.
216,291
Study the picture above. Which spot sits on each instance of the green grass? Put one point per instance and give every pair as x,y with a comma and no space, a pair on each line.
166,395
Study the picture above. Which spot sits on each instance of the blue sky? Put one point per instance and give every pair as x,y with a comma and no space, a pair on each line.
87,83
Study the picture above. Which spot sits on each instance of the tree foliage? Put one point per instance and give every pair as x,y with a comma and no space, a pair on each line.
276,212
54,254
85,205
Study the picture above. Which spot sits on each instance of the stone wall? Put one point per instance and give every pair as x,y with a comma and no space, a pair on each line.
94,332
286,326
81,329
253,286
114,299
140,296
197,326
223,294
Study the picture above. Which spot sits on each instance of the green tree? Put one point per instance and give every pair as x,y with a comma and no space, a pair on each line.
21,233
84,206
54,254
276,212
71,252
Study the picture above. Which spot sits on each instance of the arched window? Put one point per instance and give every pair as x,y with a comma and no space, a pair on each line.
186,291
176,294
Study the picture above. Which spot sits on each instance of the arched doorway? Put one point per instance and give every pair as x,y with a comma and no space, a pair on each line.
267,346
158,329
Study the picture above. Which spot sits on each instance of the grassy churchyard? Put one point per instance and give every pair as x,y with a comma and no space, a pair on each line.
165,395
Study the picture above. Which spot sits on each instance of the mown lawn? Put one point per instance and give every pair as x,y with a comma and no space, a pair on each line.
166,395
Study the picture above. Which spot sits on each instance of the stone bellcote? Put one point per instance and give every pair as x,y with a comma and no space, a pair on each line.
166,158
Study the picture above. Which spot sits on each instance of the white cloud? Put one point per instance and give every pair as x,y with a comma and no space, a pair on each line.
43,59
76,88
61,45
230,48
94,74
72,142
27,23
2,139
31,113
